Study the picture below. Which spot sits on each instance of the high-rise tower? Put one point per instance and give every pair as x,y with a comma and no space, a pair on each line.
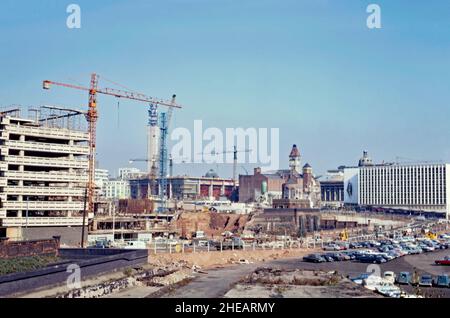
153,140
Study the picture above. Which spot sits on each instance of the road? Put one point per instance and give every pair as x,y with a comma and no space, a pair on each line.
217,282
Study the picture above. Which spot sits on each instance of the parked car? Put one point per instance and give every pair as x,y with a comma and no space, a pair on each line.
427,248
359,279
404,278
426,280
314,258
355,245
374,259
328,257
389,276
351,255
442,281
444,261
332,247
343,256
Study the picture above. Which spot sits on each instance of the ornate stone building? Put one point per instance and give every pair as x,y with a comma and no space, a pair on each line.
301,190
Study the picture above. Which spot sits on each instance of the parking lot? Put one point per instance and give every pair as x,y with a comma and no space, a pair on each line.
408,257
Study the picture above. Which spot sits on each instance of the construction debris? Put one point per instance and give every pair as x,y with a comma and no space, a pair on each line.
277,283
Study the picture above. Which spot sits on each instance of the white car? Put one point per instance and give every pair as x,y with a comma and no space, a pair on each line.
331,247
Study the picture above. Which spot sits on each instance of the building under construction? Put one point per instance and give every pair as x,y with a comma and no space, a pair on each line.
186,188
43,173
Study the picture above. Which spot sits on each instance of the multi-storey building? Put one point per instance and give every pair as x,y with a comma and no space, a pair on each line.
415,187
117,189
43,175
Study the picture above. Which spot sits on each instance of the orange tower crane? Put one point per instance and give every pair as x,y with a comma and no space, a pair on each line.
92,117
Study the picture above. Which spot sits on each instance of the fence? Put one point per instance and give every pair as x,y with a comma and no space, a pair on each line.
172,248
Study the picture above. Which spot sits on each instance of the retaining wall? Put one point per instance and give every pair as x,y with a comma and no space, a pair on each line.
92,262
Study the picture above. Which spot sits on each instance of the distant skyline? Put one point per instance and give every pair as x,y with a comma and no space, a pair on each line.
310,68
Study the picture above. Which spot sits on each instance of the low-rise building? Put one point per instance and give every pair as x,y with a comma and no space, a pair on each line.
332,188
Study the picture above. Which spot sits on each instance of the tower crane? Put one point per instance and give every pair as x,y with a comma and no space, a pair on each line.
235,159
92,118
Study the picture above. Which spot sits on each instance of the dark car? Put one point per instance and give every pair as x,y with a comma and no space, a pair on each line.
426,280
355,245
351,255
374,259
314,258
328,257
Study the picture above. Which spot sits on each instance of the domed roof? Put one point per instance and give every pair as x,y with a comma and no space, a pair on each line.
306,166
211,174
295,153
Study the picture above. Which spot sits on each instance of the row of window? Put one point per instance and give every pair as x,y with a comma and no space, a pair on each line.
424,185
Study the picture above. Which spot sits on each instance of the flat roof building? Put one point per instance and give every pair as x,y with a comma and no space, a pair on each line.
414,187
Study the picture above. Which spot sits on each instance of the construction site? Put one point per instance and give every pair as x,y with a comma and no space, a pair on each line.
48,179
170,227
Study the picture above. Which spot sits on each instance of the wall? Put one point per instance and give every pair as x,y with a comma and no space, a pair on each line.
92,262
70,236
351,176
29,248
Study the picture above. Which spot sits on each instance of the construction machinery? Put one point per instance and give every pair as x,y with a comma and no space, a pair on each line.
92,117
343,236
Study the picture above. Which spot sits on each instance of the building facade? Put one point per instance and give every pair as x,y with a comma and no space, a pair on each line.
332,188
184,188
416,187
116,189
43,176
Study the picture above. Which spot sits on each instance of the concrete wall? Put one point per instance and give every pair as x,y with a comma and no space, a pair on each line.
92,262
70,236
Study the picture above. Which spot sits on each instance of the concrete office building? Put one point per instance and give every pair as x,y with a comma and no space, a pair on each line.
414,187
43,174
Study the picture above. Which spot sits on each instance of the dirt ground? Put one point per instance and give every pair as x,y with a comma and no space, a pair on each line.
208,260
213,224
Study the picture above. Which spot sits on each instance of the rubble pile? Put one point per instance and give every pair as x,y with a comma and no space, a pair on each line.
277,283
295,277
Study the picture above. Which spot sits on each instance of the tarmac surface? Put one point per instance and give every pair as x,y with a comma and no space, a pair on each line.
218,281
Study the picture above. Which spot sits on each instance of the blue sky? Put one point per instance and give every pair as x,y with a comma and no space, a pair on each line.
311,68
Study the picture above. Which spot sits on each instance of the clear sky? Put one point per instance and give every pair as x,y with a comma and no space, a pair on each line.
311,68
